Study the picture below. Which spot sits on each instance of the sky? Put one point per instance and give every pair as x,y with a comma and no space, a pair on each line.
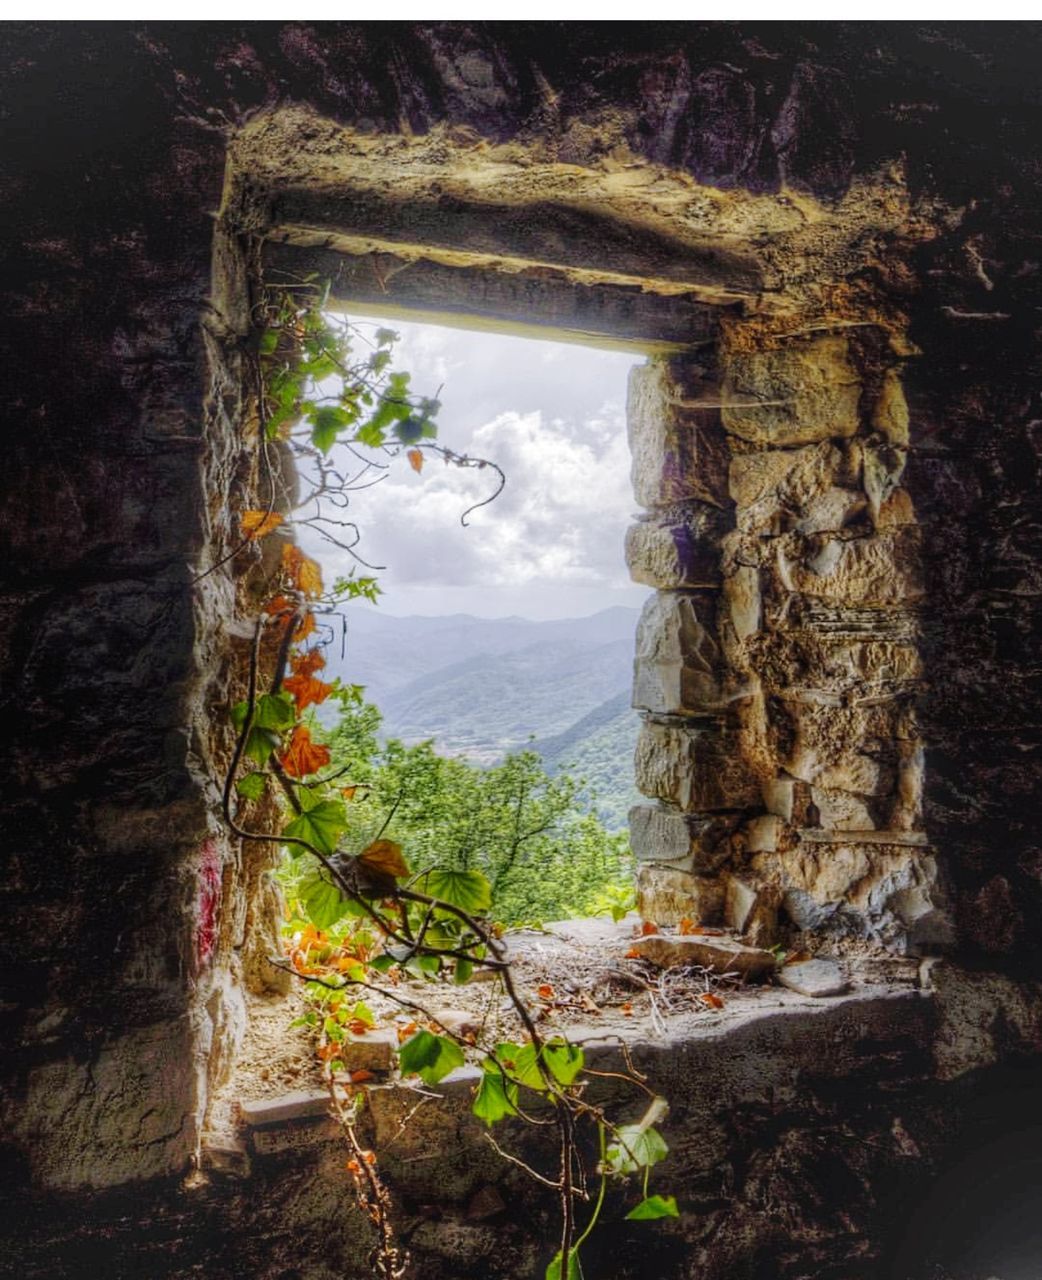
552,416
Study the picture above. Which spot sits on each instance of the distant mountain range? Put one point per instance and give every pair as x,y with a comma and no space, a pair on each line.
482,687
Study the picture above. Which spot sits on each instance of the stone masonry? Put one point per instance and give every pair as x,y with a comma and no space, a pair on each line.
826,237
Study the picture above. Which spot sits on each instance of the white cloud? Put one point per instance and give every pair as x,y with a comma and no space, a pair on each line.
553,418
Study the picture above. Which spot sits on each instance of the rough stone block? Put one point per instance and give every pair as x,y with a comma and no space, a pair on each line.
762,833
688,842
680,451
744,599
888,894
677,549
818,735
818,978
229,1158
777,797
797,394
375,1051
838,664
694,767
751,910
667,896
300,1136
842,811
300,1104
882,569
830,511
678,666
768,485
890,414
721,955
739,901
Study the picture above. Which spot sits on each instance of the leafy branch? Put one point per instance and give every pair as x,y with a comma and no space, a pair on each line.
368,919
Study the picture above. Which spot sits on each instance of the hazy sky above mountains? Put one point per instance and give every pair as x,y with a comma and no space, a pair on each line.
553,417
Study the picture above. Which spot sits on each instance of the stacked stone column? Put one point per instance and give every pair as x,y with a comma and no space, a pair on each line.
777,664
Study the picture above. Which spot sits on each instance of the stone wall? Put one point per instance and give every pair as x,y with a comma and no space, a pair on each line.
778,663
879,175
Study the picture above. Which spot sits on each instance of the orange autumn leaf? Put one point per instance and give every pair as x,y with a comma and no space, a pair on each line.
303,756
349,792
361,1076
632,954
256,524
415,460
277,605
686,926
325,1052
713,1001
303,573
358,1026
405,1032
647,927
545,991
305,626
306,664
306,690
384,857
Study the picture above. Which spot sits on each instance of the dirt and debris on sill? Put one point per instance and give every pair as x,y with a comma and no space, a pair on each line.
579,978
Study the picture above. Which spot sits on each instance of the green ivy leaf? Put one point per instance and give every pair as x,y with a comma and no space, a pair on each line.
635,1148
273,711
553,1271
654,1207
252,786
371,434
564,1060
519,1063
260,743
495,1098
462,971
429,1056
320,899
321,825
468,890
326,425
269,340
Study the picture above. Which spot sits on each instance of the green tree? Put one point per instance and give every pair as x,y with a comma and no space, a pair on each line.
544,857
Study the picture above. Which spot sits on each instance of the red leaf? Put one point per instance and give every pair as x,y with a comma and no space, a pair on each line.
303,756
306,690
306,664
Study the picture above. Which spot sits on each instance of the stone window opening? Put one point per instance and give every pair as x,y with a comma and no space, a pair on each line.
776,663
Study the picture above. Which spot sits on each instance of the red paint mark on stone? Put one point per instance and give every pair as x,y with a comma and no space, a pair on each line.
209,901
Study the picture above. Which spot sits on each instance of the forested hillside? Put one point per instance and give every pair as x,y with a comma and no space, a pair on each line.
482,687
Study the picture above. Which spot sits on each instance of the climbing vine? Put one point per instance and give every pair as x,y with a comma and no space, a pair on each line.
368,917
